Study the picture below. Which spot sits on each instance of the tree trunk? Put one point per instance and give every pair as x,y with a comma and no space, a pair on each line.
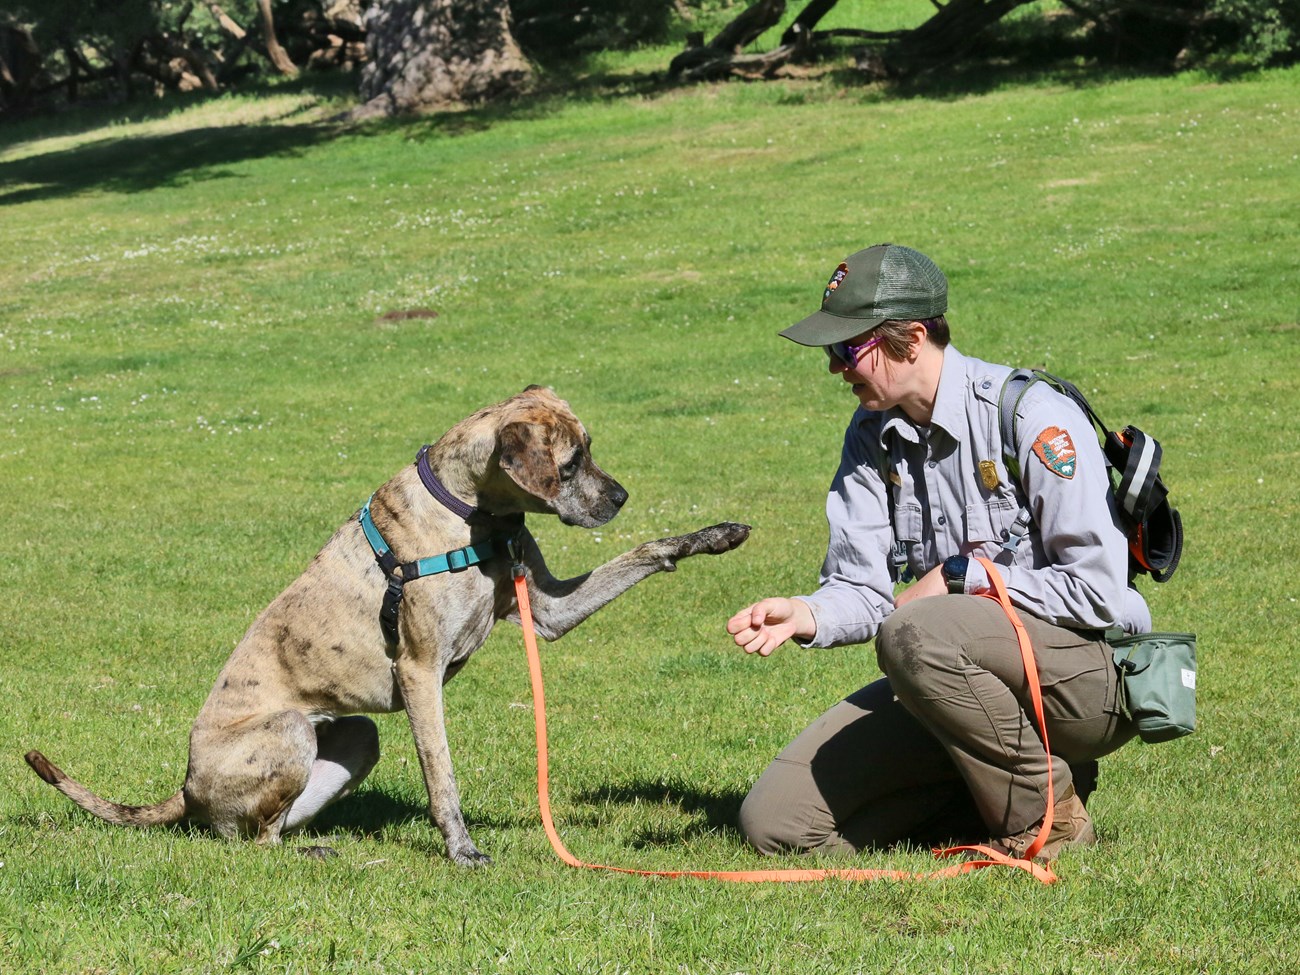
20,64
274,51
430,54
227,24
808,18
946,36
749,25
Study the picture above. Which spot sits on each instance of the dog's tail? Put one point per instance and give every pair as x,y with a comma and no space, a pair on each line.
168,811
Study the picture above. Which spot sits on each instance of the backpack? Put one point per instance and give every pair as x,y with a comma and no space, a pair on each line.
1152,525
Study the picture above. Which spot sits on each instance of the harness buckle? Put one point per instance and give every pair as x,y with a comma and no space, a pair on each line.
388,612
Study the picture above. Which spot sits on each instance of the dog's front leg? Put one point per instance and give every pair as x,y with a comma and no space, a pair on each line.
560,605
422,693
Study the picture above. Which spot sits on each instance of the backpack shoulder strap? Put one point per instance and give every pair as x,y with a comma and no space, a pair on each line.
1014,388
1133,455
1154,528
1013,391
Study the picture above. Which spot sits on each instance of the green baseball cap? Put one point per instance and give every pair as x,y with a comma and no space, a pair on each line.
874,285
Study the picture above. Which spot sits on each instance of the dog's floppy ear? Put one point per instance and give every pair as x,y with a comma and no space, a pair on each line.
527,458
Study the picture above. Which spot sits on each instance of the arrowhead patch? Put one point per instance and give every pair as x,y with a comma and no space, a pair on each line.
1056,450
840,274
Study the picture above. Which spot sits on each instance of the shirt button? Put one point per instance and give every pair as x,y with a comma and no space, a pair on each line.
943,520
986,385
933,464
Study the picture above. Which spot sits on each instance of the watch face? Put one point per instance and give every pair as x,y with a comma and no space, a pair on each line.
954,571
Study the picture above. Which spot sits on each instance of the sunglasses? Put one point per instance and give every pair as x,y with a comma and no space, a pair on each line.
850,354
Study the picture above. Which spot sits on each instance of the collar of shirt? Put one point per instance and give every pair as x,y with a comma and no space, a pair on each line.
949,412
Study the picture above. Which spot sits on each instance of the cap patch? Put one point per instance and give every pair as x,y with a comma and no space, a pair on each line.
1056,450
840,273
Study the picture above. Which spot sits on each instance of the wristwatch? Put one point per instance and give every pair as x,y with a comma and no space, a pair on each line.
954,571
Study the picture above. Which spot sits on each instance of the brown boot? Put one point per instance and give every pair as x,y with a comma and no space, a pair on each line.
1071,826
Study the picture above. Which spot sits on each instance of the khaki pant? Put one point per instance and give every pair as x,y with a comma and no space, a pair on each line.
941,748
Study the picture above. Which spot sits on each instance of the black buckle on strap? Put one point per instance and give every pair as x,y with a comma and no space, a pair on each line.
389,610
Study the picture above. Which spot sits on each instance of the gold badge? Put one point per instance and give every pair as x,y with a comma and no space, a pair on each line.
989,474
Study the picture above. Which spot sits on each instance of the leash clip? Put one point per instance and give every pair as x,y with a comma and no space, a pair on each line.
516,558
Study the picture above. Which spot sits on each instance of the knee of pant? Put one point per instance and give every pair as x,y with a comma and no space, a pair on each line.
762,824
901,644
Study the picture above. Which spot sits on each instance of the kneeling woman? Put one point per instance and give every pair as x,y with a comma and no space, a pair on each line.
942,748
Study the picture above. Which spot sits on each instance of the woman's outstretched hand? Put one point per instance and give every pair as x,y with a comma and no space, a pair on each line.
768,623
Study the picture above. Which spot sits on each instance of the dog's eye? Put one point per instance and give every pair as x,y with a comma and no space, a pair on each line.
570,468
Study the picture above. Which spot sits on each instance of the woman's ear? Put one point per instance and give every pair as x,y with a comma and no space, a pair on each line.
917,334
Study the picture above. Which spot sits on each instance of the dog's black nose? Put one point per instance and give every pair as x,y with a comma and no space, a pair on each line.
618,495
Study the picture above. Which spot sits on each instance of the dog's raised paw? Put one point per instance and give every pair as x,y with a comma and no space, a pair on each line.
720,538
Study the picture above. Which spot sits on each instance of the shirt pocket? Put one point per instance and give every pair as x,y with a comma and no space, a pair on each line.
907,523
989,521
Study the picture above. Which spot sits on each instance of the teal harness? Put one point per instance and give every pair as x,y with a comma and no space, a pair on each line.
456,560
400,573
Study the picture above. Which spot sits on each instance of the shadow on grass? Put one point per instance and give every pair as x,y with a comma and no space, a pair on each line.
719,810
364,816
370,813
134,163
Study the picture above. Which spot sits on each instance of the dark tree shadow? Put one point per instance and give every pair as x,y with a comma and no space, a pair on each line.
132,164
136,163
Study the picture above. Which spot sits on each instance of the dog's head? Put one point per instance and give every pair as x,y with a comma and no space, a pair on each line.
545,452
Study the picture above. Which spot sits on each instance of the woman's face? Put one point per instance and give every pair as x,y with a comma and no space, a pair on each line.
874,376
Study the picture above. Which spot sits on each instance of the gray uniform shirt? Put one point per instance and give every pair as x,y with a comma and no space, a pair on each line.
1071,569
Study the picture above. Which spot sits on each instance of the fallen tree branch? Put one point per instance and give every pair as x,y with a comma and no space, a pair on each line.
226,22
711,60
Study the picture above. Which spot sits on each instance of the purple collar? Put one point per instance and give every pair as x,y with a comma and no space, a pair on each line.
448,500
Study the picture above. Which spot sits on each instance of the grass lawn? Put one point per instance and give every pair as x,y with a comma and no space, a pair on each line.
198,383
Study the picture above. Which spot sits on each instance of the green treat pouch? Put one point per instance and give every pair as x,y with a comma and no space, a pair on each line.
1158,683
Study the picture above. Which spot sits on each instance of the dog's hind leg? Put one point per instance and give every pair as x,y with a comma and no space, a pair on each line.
346,750
244,776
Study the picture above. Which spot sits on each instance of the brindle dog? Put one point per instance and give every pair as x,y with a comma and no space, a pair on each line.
282,735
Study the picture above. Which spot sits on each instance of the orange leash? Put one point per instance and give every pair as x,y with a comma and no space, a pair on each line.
1036,696
992,857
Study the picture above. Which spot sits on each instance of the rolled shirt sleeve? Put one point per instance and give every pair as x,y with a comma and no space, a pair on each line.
856,592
